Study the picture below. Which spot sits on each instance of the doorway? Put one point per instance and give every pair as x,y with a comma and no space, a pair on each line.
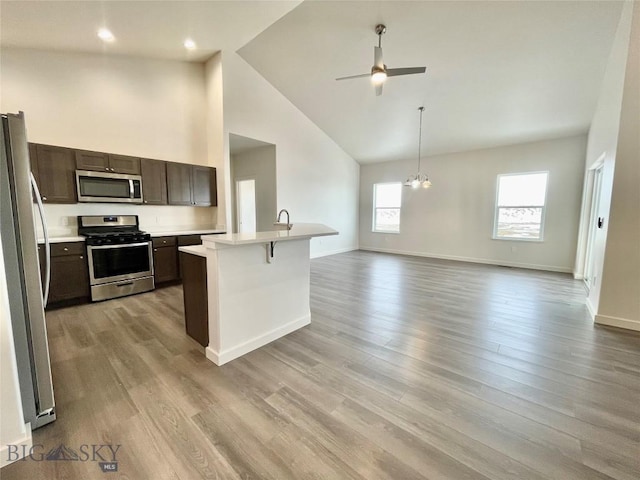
590,271
246,205
251,159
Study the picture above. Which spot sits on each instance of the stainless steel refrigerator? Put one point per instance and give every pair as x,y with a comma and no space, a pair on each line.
27,293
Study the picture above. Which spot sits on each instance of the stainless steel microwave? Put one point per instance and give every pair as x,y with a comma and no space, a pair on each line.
108,187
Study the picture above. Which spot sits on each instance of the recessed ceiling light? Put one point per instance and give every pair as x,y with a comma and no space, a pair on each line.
106,35
189,44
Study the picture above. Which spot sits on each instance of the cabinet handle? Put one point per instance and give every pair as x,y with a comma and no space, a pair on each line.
65,249
81,257
44,198
146,201
164,241
155,249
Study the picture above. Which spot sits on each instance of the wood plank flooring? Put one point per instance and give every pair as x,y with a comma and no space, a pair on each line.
411,368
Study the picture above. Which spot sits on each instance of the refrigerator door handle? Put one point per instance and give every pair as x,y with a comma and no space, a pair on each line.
47,245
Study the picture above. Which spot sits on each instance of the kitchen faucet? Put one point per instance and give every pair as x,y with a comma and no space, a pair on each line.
288,219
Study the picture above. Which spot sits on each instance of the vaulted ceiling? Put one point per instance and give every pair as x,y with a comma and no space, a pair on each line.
497,72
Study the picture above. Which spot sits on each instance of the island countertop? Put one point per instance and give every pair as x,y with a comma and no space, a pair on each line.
299,231
198,250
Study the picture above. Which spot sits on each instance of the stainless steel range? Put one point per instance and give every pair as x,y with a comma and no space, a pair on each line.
119,254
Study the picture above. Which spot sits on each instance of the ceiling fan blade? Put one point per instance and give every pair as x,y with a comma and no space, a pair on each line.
377,57
354,76
379,89
394,72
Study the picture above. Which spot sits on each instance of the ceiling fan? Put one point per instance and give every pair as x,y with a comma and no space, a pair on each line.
379,71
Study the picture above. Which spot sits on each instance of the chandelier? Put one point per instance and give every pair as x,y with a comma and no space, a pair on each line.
419,179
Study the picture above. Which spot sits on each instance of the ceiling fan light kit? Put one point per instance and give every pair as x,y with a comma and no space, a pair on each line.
379,71
419,179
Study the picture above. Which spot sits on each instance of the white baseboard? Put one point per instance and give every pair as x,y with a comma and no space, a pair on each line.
530,266
333,252
24,444
220,358
618,322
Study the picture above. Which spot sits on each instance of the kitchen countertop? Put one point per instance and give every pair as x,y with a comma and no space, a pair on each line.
202,231
298,232
199,250
209,231
62,239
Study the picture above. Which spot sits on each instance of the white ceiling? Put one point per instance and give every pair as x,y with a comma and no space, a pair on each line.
240,144
142,28
497,72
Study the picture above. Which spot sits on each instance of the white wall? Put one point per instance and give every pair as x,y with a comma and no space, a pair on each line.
131,106
620,290
603,142
317,181
215,128
260,164
62,219
454,218
13,430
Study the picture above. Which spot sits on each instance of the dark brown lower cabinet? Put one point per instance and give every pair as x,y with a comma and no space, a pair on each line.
165,259
194,285
186,240
69,274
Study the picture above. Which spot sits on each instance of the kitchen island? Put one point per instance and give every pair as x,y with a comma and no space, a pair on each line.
257,287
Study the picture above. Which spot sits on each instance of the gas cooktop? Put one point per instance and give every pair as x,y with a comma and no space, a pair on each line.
111,229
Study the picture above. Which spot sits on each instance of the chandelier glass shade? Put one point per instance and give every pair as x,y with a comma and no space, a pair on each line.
419,179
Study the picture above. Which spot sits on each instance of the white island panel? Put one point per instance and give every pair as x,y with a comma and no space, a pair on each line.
253,302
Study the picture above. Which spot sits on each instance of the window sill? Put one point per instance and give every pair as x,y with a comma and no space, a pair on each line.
382,231
514,239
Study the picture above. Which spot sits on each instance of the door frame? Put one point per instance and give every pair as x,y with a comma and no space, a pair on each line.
595,188
237,212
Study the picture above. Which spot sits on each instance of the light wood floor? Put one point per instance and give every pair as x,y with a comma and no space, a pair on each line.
411,368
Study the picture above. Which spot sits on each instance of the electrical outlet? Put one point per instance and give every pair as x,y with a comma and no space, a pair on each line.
64,221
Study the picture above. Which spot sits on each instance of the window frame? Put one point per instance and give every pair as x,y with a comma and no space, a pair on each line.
375,209
497,208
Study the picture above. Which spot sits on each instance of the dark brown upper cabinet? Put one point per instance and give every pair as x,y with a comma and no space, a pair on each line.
107,162
179,184
55,168
98,161
124,164
204,186
191,185
154,181
33,162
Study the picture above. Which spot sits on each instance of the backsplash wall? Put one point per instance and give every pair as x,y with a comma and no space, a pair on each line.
62,219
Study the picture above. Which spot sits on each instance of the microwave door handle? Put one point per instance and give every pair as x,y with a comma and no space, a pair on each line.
131,188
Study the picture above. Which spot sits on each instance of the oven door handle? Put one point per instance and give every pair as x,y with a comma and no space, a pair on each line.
124,245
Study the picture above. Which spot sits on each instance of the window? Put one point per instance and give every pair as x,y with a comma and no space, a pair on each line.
387,198
520,206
